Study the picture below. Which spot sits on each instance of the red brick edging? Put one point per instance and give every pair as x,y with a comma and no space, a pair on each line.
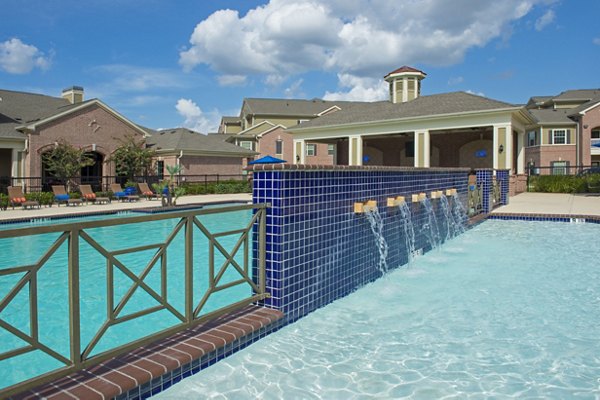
138,367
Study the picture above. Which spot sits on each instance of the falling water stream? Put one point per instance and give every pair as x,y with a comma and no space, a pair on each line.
376,223
431,228
409,230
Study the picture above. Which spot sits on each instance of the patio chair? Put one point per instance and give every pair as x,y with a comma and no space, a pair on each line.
61,196
88,195
146,191
120,194
16,197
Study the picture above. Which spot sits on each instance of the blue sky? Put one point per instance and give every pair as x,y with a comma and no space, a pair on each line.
165,63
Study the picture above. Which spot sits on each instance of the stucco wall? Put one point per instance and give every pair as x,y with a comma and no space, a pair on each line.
91,125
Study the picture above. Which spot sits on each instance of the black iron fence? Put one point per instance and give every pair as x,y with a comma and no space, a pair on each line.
102,183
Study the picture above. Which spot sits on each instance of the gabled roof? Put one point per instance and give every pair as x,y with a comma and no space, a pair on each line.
577,95
28,110
551,116
585,106
181,139
231,120
289,107
423,106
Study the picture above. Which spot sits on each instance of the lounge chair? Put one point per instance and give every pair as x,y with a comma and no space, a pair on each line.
17,198
146,191
61,196
88,195
120,194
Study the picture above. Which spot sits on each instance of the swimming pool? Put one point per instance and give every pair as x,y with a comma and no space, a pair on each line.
53,294
507,310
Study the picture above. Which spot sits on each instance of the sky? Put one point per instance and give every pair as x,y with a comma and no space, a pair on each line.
187,63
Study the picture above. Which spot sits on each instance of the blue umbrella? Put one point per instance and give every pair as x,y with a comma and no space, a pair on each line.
267,160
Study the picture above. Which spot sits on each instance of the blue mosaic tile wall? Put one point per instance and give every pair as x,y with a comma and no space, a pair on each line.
318,249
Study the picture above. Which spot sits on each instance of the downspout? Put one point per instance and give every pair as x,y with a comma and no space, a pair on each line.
179,165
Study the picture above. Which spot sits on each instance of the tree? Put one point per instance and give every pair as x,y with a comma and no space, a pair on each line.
132,157
65,162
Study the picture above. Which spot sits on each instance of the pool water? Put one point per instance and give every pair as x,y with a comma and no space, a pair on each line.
53,302
506,310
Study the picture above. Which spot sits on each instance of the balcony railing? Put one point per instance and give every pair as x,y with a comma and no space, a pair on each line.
243,263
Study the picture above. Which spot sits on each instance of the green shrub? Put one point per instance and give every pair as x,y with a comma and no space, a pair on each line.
218,188
558,184
3,201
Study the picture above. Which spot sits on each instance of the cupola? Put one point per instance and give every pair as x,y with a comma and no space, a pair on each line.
405,84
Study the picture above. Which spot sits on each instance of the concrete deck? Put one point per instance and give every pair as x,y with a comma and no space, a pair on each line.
551,204
53,211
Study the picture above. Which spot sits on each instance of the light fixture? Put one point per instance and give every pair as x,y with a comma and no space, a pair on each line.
501,149
585,126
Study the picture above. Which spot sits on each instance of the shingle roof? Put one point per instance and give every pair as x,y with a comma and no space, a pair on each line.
438,104
184,139
584,106
18,108
231,120
551,116
289,107
583,95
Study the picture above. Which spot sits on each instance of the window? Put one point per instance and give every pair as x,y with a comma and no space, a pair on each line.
560,167
559,136
595,133
246,144
160,169
531,138
311,149
279,146
331,149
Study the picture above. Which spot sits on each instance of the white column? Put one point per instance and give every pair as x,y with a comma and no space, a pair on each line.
394,99
15,163
422,149
299,151
355,150
495,146
521,153
509,149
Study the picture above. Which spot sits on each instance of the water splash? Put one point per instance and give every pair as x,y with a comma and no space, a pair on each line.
409,230
376,224
431,228
460,213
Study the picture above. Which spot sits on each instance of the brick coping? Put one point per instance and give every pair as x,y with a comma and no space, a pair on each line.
122,376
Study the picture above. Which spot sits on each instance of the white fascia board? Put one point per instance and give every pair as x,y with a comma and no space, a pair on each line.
589,108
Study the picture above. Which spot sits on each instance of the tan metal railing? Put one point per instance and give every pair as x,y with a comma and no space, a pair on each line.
81,353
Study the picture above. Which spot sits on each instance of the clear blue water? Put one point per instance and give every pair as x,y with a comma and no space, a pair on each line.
506,310
53,301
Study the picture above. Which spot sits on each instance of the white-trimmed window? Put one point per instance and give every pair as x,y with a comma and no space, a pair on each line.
595,133
531,138
246,144
331,149
559,136
560,167
279,146
311,149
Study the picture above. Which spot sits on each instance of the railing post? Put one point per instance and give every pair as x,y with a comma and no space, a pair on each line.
262,250
74,305
189,269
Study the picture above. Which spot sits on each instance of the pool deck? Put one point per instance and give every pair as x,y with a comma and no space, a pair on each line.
20,213
555,204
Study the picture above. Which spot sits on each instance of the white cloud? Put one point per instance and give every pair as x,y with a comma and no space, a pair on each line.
455,81
232,80
476,93
294,90
195,118
17,57
361,38
544,20
360,89
131,78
